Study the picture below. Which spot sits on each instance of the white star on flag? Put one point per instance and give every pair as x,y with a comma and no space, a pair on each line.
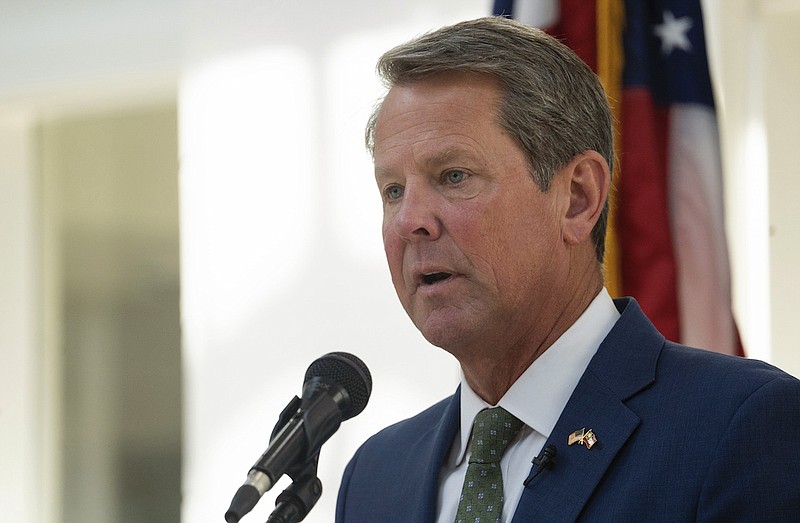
673,33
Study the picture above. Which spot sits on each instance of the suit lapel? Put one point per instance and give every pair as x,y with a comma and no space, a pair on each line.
559,494
624,364
433,448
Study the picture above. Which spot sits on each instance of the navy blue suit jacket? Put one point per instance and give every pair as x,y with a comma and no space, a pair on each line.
683,435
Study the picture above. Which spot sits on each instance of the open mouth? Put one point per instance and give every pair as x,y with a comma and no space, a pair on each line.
430,279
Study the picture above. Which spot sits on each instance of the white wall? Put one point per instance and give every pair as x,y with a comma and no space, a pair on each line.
782,115
282,259
21,420
752,46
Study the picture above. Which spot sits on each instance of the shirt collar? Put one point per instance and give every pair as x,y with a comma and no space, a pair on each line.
550,379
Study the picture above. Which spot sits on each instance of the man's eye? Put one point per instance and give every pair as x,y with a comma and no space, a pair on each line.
393,192
455,176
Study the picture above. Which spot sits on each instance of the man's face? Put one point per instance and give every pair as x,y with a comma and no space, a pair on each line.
474,247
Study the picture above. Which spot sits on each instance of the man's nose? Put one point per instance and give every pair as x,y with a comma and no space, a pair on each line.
418,215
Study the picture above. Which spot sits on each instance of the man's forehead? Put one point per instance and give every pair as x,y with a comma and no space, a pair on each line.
441,118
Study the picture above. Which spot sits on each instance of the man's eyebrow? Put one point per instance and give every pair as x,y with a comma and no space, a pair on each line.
382,172
442,157
432,161
449,156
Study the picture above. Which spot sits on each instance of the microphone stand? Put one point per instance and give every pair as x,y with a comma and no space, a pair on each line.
294,503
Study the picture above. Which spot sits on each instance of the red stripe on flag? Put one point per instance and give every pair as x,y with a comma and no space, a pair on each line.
648,262
577,28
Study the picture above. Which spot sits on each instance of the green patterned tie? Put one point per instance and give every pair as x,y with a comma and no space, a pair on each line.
482,494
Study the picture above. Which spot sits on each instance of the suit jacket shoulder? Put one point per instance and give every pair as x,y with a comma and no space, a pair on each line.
393,477
677,431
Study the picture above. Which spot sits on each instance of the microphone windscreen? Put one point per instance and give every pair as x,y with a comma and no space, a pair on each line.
349,372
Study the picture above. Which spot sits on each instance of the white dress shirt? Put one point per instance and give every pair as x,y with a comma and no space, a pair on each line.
537,398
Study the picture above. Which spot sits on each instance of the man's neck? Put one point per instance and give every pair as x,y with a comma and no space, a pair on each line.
490,373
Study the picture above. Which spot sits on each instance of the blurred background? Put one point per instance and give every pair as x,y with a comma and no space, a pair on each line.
188,219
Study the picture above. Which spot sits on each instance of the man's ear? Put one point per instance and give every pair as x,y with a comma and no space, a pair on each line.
589,183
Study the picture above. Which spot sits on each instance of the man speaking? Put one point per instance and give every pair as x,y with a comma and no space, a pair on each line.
493,151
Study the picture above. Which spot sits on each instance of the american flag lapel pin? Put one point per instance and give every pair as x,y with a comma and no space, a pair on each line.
582,437
576,436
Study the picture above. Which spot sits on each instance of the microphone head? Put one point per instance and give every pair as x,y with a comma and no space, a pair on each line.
350,373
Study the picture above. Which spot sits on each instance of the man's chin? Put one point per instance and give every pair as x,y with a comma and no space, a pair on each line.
447,331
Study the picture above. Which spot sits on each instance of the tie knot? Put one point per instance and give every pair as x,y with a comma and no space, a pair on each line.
492,431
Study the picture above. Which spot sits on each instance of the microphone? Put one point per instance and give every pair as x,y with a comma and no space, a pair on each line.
544,460
336,387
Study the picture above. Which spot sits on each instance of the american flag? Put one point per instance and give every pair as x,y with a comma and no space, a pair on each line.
668,246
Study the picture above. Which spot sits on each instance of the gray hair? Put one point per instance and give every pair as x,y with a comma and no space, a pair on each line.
552,104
